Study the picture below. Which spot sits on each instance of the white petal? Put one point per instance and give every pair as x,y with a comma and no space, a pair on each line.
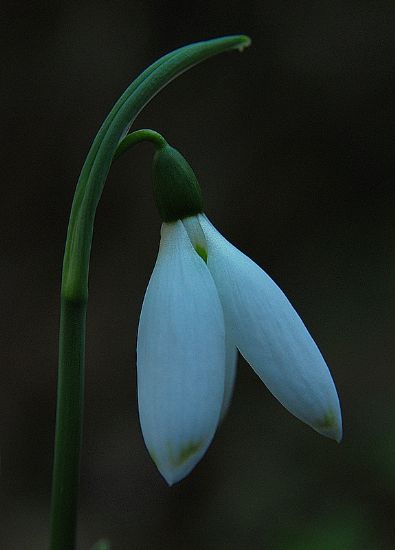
180,357
230,375
272,337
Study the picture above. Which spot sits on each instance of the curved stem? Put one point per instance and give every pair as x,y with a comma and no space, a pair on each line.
95,171
74,292
137,137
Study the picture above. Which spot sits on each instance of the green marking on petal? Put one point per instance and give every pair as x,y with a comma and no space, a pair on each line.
154,457
329,426
184,454
202,252
328,422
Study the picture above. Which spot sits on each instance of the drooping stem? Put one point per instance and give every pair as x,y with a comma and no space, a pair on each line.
137,137
74,291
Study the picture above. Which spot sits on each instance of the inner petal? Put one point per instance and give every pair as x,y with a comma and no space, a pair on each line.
196,236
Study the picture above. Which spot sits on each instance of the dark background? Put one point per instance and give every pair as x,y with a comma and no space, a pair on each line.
293,142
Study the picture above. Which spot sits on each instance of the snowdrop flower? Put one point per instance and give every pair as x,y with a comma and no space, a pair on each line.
206,300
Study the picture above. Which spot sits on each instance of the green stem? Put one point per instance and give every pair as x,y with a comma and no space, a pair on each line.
74,291
69,417
137,137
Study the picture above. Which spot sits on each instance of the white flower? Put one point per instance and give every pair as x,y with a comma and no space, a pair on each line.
205,299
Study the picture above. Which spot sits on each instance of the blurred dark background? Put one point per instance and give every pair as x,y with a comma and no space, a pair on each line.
293,142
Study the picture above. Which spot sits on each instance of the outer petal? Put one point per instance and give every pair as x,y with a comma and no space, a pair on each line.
271,336
180,357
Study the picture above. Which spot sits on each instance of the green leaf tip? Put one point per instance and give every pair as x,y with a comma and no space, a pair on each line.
238,39
236,42
245,42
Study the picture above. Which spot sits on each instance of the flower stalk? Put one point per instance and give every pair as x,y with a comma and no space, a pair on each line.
109,143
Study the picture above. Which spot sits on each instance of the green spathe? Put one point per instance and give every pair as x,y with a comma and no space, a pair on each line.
176,189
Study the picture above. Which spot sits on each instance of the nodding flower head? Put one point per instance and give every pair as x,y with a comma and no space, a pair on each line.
206,300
